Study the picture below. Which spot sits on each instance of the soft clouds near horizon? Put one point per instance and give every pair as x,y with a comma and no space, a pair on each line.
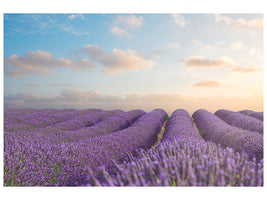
72,98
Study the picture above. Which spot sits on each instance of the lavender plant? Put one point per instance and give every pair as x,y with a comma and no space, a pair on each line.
182,158
179,163
246,112
257,115
242,121
180,126
32,159
216,130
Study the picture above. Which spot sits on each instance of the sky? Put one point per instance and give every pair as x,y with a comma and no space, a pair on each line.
134,61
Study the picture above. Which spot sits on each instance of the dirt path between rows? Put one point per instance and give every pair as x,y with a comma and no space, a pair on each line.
160,134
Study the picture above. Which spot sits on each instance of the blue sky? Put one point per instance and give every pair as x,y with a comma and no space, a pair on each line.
129,61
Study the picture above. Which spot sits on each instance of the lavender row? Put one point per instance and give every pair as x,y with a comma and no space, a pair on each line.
41,119
33,161
246,112
78,122
180,127
223,113
216,130
241,121
257,115
115,146
182,163
116,122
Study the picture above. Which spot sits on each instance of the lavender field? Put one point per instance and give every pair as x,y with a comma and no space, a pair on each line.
93,147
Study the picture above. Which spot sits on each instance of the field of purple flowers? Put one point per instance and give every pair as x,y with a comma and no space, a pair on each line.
93,147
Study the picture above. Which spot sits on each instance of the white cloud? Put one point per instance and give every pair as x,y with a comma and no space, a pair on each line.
129,21
41,63
179,20
71,17
71,29
119,32
240,23
118,60
238,45
210,83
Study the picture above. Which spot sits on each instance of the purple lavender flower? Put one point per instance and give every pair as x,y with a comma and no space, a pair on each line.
241,120
218,131
177,163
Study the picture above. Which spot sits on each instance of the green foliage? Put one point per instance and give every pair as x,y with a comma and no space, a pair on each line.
172,182
167,117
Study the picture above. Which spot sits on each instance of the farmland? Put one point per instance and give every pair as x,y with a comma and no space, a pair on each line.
93,147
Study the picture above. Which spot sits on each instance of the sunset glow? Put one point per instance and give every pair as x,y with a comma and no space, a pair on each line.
128,61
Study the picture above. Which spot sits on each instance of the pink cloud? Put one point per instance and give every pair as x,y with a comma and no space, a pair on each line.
41,63
118,60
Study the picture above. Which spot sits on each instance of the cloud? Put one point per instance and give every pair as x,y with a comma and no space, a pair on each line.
246,70
76,95
128,21
207,83
72,98
238,45
240,23
71,17
40,63
118,60
200,62
119,32
171,46
179,20
69,28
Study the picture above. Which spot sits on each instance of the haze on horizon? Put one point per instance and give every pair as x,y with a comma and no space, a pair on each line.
134,61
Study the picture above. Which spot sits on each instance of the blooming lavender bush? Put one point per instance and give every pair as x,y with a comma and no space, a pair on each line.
246,112
242,121
115,146
183,164
257,115
223,113
34,120
216,130
33,159
116,122
180,127
182,158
